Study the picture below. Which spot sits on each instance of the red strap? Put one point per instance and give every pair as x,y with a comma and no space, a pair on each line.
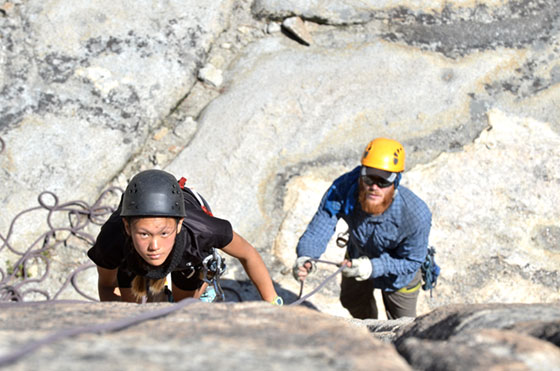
182,182
206,210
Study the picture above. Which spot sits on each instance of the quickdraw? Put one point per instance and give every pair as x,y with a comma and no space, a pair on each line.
213,266
430,271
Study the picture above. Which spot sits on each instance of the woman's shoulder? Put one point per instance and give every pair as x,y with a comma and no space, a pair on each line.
208,231
108,249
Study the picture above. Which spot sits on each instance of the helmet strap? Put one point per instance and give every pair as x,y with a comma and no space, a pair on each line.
398,180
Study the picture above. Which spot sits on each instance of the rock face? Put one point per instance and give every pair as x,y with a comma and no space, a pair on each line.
261,122
482,337
84,85
240,337
251,336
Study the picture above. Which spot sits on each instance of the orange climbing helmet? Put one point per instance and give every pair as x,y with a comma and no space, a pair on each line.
384,154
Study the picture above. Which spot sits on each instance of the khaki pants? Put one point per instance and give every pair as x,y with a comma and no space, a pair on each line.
357,297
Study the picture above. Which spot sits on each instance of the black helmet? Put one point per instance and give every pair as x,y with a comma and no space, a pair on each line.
153,193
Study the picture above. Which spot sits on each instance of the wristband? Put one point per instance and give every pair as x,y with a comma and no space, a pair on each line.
277,301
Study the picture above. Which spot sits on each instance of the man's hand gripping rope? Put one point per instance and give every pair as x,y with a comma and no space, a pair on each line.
304,266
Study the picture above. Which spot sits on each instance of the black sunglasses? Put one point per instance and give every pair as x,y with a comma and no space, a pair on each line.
370,180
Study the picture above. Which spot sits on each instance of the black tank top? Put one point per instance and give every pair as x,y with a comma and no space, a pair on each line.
199,234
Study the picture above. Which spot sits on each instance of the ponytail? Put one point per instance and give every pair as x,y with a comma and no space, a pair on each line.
142,286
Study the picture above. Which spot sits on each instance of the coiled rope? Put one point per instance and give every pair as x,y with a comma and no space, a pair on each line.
14,281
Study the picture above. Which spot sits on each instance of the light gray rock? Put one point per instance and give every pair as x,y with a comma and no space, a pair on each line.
451,320
385,330
84,85
265,138
488,241
249,336
333,12
346,12
481,350
296,27
211,75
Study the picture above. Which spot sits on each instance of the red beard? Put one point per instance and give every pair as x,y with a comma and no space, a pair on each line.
372,207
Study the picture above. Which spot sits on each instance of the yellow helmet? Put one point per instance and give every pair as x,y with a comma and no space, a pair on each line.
385,154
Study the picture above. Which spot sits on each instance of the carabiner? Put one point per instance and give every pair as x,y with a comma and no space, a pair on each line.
342,239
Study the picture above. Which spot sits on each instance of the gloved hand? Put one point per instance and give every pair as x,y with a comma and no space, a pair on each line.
299,263
361,269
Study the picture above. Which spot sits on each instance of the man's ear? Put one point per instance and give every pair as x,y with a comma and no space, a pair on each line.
126,226
180,224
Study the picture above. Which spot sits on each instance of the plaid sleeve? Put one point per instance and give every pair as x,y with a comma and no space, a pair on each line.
314,240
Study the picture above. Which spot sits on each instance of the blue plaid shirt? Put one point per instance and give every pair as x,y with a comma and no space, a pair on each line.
396,241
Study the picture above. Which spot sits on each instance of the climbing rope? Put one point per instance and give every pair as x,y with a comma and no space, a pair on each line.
16,282
123,323
110,326
321,285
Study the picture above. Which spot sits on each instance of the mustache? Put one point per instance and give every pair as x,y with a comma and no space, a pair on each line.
367,193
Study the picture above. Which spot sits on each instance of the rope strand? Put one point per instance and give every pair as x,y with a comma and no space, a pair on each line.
321,285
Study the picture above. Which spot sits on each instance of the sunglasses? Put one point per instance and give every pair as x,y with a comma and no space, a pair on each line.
370,180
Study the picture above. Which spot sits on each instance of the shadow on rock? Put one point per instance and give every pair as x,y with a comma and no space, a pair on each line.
243,291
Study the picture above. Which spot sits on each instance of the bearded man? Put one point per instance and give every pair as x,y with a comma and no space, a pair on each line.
388,231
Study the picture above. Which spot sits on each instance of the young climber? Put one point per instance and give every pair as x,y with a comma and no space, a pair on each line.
162,228
389,228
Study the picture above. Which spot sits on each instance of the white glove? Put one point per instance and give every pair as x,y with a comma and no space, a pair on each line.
300,262
361,269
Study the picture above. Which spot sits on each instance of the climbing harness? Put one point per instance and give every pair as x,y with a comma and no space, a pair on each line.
406,290
430,271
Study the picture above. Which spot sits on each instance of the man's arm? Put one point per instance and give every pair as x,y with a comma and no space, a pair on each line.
318,233
313,242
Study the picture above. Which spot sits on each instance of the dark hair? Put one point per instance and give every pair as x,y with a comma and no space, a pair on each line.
132,219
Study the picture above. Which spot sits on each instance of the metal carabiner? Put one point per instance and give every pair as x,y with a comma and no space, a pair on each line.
342,239
213,264
216,266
